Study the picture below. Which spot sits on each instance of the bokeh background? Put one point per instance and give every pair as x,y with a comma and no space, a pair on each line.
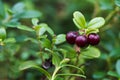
58,15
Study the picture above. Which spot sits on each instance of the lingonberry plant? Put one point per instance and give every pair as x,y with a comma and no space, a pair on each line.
86,35
59,56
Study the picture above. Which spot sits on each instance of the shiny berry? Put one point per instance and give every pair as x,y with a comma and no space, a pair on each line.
47,64
81,41
93,39
71,36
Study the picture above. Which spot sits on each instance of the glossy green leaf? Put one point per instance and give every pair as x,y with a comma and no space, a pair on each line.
40,30
31,14
55,59
114,74
35,21
12,24
60,39
2,33
2,10
19,7
23,27
88,31
79,19
48,29
31,64
99,75
90,53
10,40
96,23
118,66
45,43
117,2
65,60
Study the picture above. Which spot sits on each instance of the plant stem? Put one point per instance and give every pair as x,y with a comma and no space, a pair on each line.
111,15
55,72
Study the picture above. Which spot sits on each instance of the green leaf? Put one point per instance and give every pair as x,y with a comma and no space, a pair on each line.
118,67
55,59
88,31
65,60
2,33
18,8
96,23
48,29
45,43
112,73
10,40
71,75
23,27
90,53
2,10
79,19
68,65
60,39
99,75
12,24
40,30
35,21
31,14
117,2
31,64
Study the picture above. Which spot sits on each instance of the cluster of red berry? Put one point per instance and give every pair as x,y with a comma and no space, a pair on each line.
73,37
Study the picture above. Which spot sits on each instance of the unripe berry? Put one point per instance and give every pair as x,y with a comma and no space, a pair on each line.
71,36
93,39
81,41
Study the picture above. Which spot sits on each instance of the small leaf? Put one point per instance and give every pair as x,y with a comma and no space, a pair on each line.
35,21
31,14
90,53
27,65
88,31
23,27
68,65
65,60
55,59
118,67
48,29
18,8
117,2
79,19
2,10
96,23
45,43
12,24
2,33
114,74
10,40
60,39
31,64
40,30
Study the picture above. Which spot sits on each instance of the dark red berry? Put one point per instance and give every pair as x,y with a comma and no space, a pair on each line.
47,64
81,41
71,36
93,39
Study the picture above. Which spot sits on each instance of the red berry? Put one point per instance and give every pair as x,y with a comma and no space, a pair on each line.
81,41
71,36
93,39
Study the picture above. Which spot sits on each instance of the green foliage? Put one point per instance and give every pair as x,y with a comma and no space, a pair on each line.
25,45
2,10
117,2
2,33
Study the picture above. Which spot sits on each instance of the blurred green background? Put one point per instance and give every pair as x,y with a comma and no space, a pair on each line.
58,15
